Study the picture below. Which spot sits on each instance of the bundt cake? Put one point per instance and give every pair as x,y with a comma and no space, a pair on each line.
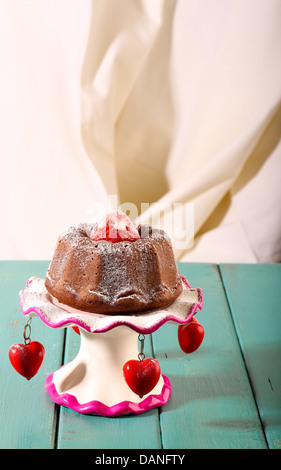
97,270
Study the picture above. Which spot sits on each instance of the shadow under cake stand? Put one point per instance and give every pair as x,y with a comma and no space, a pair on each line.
93,382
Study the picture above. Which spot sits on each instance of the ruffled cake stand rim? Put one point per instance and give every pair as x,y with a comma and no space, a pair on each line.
180,311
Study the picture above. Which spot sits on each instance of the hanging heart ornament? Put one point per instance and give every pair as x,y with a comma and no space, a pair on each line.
26,358
190,336
142,375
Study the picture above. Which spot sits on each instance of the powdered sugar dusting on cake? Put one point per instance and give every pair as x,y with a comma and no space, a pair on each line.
98,275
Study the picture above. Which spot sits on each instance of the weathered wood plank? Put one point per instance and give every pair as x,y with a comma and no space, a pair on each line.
211,405
27,416
254,295
78,431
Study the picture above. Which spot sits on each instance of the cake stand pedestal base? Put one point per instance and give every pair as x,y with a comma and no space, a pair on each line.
93,383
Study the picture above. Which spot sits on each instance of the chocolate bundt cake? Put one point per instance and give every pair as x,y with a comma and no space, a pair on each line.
126,275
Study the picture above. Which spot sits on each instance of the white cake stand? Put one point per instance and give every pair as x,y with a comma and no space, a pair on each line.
93,383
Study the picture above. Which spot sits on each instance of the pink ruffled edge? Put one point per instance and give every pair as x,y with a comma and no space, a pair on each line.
71,319
97,408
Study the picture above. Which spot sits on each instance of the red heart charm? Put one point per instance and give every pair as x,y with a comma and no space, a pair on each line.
27,358
142,376
76,329
190,336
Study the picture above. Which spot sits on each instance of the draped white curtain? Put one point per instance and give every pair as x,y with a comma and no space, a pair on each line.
155,101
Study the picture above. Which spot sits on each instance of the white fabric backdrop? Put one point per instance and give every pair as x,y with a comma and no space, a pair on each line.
155,101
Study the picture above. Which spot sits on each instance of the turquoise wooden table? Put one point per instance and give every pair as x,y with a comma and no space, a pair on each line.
226,395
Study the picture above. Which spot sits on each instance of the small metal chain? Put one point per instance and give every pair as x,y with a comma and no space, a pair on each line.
141,355
27,331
